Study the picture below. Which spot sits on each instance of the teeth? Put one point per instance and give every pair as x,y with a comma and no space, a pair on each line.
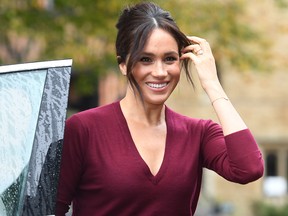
157,85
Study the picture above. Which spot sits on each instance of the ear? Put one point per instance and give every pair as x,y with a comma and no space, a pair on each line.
123,68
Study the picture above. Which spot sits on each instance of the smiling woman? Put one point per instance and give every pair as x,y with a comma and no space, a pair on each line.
136,156
158,70
133,34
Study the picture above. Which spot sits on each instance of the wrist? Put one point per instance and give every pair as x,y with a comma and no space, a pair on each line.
214,90
211,85
218,99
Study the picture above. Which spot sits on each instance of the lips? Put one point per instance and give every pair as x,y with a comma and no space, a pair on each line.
157,85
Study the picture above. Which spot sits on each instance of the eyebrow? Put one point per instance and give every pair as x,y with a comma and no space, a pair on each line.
165,54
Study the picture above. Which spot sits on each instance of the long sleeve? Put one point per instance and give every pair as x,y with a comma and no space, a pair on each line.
236,157
71,164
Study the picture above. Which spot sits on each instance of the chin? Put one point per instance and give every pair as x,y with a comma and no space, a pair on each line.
156,100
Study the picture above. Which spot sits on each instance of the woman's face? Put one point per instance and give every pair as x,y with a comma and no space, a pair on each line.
158,70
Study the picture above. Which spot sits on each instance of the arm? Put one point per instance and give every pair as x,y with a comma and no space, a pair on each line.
227,155
71,165
204,62
233,154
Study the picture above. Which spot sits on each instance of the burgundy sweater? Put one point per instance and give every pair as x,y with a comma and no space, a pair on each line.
102,172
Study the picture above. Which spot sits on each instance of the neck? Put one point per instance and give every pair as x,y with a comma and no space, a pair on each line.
135,110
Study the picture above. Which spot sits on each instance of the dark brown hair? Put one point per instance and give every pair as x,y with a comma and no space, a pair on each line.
135,25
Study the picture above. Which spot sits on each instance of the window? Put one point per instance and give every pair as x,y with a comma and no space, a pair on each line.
33,100
271,164
287,165
276,169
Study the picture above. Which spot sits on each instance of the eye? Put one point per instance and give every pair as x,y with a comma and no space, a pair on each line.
145,59
170,59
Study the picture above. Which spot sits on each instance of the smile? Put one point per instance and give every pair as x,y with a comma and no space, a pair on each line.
157,85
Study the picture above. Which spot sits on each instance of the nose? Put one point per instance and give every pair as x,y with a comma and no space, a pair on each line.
159,70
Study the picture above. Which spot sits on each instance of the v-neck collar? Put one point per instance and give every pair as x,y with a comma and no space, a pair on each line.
136,155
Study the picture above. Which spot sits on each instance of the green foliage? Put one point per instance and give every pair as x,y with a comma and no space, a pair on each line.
224,25
82,30
281,3
263,209
85,31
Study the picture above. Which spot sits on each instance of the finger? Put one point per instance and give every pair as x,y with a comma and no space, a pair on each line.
205,46
195,48
189,55
196,40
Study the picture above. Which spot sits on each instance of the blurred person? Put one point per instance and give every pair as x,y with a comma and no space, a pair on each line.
137,156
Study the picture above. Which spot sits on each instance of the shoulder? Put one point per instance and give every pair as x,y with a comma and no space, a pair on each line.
180,119
195,128
95,115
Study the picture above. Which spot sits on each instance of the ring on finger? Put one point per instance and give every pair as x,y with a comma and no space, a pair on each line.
200,52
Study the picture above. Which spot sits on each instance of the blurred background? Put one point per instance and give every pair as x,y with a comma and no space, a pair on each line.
250,44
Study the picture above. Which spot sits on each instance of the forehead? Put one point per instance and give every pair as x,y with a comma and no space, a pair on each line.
160,40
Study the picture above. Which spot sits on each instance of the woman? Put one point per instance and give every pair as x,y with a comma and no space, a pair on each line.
138,157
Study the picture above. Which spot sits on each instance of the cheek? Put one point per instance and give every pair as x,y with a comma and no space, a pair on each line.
136,71
139,72
175,69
